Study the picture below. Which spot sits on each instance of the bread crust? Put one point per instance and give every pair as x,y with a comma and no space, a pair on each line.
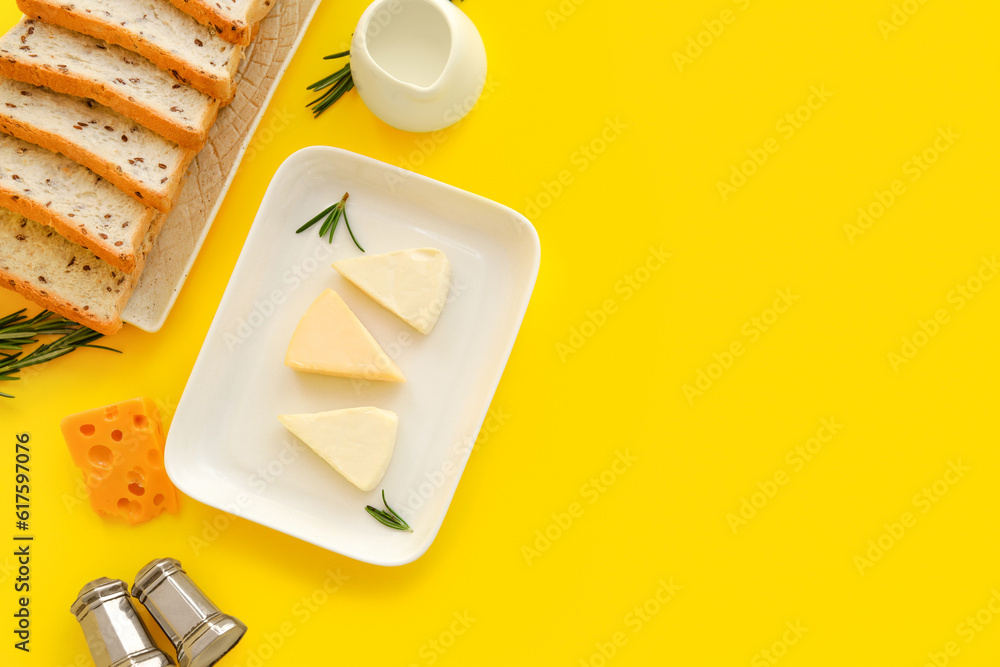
80,312
162,202
233,31
188,137
126,261
88,24
65,308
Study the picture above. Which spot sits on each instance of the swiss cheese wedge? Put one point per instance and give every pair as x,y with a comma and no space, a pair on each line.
357,442
412,284
120,450
330,340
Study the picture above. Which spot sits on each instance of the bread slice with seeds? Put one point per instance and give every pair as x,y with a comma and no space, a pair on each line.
174,41
69,62
53,190
235,20
137,160
52,271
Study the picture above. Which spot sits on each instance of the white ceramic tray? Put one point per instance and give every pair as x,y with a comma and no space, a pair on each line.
226,447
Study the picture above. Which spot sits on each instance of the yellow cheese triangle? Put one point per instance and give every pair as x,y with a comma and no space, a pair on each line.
330,340
357,442
412,284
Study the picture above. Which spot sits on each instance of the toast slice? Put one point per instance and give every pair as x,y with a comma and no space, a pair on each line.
172,40
55,191
69,62
57,274
137,160
236,21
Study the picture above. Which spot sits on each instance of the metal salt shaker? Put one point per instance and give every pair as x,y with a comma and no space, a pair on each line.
115,633
198,630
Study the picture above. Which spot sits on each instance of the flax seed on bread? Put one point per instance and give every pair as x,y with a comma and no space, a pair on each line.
75,64
174,41
140,162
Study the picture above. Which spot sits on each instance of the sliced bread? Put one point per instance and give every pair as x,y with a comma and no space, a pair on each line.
53,190
69,62
235,20
174,41
136,159
45,267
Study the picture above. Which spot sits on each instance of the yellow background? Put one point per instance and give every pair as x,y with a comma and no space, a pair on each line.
556,86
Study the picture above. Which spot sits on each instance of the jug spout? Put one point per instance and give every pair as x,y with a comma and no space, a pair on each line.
419,65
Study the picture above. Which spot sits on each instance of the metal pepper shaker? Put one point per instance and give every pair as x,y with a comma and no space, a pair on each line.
115,633
198,630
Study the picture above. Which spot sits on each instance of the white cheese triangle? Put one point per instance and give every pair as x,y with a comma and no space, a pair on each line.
357,442
330,340
412,284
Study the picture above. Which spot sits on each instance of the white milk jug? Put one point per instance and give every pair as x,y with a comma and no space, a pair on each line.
419,65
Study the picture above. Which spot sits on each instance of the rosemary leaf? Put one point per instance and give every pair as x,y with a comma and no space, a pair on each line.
17,331
389,518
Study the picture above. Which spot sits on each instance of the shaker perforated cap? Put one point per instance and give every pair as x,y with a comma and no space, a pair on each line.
115,634
198,630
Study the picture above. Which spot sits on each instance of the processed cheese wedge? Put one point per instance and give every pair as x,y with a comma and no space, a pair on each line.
357,442
330,340
412,284
120,450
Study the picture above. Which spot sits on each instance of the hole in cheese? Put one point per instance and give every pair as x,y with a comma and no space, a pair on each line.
135,482
129,509
101,458
140,421
158,498
116,435
111,412
87,429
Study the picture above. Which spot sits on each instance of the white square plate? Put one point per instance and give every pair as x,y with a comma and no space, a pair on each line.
226,447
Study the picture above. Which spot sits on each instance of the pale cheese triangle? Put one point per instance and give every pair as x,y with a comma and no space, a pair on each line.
412,284
330,340
357,442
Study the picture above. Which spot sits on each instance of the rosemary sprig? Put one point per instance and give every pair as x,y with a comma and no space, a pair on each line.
18,331
339,83
389,518
331,216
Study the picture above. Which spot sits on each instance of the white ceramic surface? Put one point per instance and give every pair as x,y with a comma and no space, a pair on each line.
419,65
225,446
